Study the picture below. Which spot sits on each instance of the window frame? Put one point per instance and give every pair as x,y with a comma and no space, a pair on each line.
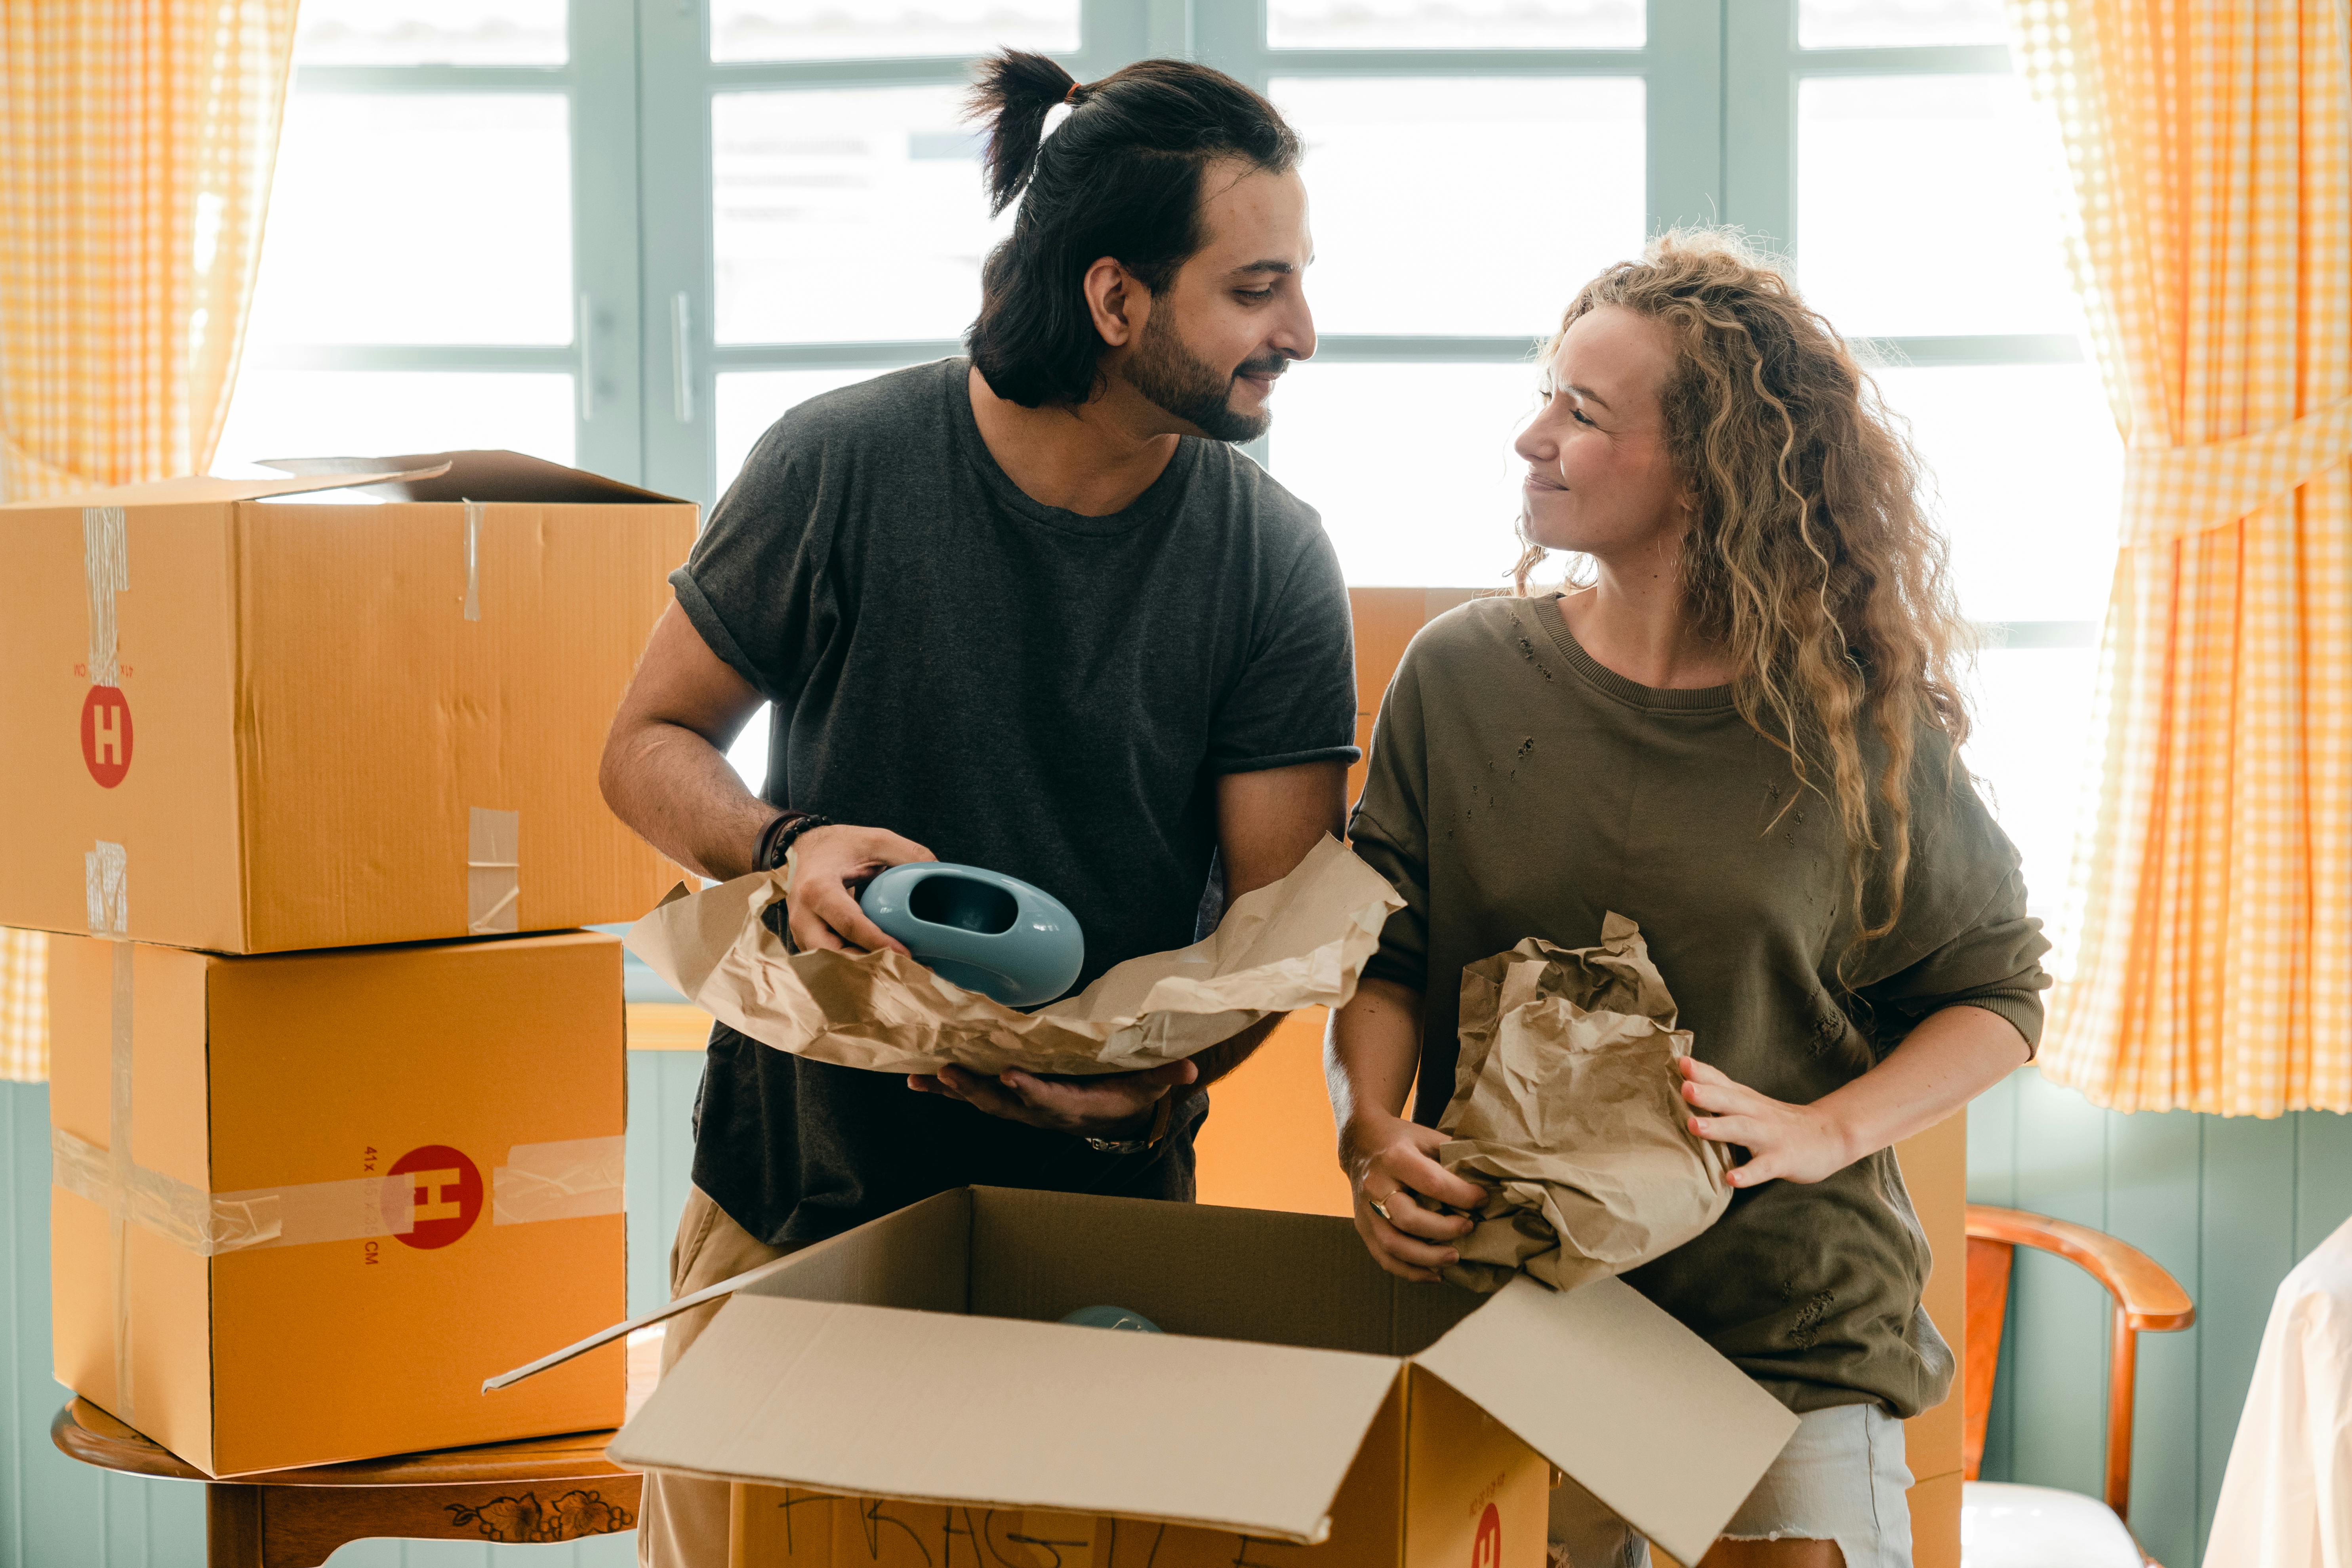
1720,79
598,81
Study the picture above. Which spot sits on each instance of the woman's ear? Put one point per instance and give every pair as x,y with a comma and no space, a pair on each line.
1117,303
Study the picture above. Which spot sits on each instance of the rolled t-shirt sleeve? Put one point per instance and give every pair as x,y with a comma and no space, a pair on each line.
1295,700
1963,937
754,586
1995,962
1390,830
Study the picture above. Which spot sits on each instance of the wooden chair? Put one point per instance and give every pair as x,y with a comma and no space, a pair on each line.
2006,1526
542,1489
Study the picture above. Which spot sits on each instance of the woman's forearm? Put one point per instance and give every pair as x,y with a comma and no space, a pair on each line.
1952,1057
1370,1051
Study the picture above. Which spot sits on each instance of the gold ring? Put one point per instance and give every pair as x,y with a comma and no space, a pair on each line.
1381,1207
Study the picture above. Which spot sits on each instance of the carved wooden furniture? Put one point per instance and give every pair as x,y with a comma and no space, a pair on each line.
542,1490
2147,1301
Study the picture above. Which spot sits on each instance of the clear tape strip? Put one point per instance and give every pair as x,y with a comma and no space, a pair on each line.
473,560
106,889
106,569
215,1223
570,1180
493,871
118,1169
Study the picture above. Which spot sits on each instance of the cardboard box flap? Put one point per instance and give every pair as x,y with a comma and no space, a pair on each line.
937,1407
196,488
477,476
1640,1410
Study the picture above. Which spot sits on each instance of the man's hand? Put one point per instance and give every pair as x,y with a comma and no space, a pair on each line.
1391,1164
1784,1142
1109,1105
829,864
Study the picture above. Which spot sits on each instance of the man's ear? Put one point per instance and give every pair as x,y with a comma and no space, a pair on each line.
1119,302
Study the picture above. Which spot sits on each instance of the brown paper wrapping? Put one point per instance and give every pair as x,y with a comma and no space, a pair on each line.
1298,942
1567,1106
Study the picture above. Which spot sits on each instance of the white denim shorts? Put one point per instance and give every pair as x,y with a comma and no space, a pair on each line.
1841,1477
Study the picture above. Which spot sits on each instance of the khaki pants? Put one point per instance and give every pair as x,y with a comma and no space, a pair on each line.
683,1522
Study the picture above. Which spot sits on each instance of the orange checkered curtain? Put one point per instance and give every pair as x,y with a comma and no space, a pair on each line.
136,140
2209,936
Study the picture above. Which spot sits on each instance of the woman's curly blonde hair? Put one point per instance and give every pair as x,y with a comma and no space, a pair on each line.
1810,556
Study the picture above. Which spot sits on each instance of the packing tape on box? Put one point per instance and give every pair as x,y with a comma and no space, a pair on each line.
106,566
106,891
571,1180
209,1224
493,871
574,1178
473,560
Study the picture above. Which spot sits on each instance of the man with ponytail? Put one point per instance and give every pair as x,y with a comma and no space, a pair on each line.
1026,610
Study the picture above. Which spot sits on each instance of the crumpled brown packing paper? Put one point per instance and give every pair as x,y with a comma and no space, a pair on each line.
1298,942
1567,1107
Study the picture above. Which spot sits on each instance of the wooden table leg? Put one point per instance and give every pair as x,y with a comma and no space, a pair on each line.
232,1525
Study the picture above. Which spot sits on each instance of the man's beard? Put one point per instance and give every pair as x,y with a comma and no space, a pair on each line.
1188,386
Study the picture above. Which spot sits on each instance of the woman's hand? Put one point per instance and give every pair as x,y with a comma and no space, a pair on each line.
1784,1142
1390,1163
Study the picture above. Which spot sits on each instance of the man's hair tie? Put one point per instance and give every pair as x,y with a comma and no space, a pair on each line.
1071,97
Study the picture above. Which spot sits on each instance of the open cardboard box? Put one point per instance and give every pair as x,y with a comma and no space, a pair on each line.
295,724
914,1372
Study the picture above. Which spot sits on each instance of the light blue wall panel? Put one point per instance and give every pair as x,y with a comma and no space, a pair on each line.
2228,1206
2155,1198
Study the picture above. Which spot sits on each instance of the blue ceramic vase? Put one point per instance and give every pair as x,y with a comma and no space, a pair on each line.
980,929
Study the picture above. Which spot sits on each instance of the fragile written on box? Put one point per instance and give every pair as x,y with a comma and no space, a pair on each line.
905,1394
282,723
304,1203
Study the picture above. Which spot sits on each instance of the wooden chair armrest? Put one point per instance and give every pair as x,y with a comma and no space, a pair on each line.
2152,1300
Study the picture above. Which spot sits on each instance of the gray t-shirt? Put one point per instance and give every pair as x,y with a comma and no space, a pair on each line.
1014,686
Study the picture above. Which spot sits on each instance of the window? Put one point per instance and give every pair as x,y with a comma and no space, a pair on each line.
631,234
451,254
1890,147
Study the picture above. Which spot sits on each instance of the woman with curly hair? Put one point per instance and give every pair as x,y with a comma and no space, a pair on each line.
1739,726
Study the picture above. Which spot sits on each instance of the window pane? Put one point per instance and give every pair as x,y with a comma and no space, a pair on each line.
1894,23
847,215
382,412
1471,207
2029,475
844,29
430,33
1411,466
1455,23
1928,205
749,754
476,250
2032,712
751,400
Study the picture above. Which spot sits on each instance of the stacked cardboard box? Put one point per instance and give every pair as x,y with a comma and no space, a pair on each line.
310,1187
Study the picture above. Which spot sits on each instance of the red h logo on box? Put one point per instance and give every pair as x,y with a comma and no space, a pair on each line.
106,735
442,1192
1486,1551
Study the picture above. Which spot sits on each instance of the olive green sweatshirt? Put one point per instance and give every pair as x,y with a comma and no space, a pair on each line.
1517,789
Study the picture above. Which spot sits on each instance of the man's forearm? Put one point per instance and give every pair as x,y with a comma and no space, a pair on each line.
680,793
